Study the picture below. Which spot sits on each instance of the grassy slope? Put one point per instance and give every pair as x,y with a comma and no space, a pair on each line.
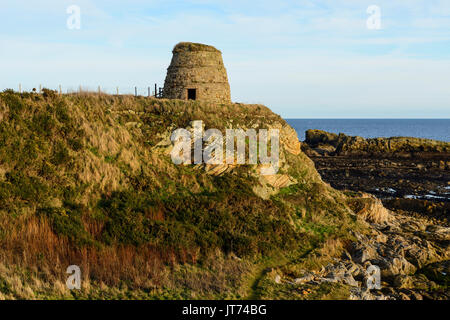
83,181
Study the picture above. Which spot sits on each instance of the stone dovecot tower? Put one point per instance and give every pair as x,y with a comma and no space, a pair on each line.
197,72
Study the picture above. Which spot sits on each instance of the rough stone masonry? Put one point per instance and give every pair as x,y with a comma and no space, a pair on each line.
197,72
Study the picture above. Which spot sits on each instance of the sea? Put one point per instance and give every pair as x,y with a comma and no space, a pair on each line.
436,129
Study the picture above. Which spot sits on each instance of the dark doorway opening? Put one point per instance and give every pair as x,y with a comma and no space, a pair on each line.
192,94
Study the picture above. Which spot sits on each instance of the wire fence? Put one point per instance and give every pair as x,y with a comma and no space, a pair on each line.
149,91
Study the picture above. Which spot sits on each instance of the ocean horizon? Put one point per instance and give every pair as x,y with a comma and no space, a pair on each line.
436,129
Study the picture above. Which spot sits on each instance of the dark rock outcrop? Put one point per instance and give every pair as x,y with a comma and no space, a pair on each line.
396,147
408,174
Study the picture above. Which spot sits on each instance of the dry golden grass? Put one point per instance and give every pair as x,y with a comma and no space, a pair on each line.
331,248
31,244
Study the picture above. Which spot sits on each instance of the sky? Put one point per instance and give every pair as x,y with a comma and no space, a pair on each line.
303,59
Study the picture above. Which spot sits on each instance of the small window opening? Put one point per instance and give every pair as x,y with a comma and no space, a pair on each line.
192,94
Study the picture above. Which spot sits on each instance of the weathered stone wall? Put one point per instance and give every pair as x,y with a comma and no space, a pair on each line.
200,67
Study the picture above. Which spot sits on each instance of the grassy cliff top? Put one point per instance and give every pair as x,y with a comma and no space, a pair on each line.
193,47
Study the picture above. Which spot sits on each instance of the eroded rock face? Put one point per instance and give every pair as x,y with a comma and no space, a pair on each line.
268,184
406,260
316,138
403,254
369,208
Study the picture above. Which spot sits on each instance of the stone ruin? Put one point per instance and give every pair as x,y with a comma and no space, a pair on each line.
197,72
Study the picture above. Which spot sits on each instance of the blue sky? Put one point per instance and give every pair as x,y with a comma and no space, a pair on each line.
303,59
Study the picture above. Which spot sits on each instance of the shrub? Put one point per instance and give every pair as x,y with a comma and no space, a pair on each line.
60,154
15,104
47,93
26,188
43,124
68,222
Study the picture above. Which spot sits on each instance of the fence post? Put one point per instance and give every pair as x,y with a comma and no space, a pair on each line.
117,90
156,90
60,90
40,88
149,92
135,91
20,88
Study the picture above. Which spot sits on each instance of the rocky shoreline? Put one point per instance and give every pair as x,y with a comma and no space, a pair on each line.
410,242
407,174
